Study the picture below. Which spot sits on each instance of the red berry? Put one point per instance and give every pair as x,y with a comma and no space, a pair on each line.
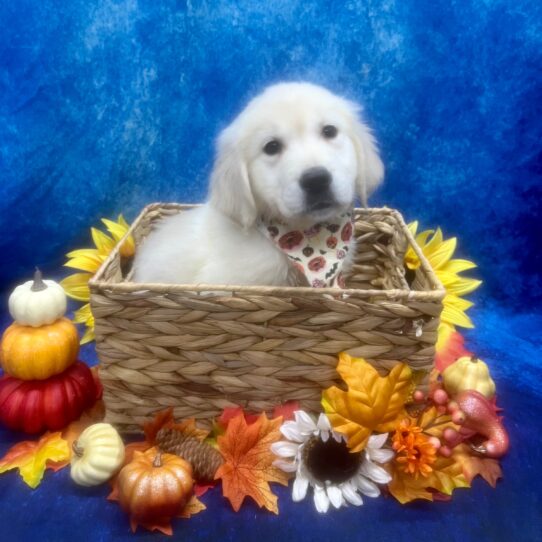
435,442
418,396
449,434
452,407
458,417
445,451
440,397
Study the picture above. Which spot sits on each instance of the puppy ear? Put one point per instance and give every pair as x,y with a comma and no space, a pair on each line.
370,166
231,192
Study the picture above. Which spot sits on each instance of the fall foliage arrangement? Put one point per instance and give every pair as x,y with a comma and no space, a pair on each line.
376,434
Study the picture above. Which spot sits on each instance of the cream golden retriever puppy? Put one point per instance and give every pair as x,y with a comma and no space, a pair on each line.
298,154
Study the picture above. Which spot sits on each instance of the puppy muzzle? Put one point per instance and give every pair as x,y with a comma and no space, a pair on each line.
316,184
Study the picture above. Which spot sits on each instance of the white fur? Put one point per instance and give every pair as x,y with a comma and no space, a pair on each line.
218,243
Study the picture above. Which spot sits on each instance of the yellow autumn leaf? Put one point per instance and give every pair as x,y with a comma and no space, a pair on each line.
433,423
446,476
32,457
372,403
406,488
474,465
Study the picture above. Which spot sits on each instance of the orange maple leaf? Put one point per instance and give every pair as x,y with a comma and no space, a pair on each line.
193,507
231,412
33,457
164,418
474,465
132,447
160,419
248,461
285,410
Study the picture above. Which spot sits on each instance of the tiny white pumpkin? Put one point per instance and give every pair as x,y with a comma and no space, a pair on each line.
98,454
37,302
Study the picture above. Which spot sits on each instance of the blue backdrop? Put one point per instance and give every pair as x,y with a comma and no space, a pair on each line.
108,105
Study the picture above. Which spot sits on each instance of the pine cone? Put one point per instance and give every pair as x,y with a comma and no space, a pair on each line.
204,459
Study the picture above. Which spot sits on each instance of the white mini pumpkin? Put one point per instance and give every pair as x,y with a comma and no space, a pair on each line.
37,302
98,454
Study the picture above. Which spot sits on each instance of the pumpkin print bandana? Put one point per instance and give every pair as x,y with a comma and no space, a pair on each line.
319,251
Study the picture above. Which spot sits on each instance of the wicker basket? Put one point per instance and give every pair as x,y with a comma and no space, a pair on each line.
200,348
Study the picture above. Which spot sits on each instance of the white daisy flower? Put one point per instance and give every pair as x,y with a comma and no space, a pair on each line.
320,458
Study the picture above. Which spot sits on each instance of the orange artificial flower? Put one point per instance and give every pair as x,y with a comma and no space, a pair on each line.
415,453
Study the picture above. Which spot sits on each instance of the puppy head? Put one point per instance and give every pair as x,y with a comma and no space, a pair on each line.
297,153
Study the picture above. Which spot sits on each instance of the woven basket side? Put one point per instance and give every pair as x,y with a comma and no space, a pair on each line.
378,267
200,354
380,248
377,263
180,346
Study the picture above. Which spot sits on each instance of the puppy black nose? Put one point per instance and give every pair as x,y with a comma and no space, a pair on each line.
315,180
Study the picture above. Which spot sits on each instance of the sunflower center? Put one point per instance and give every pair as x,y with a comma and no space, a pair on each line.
330,460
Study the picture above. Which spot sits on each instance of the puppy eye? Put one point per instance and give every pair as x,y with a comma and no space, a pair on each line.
272,147
329,131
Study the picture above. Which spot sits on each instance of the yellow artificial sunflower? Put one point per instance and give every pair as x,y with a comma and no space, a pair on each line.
84,316
439,254
89,260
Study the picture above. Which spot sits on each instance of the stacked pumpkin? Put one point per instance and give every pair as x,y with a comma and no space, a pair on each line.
45,387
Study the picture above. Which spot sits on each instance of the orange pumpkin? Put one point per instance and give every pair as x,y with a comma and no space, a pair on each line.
37,353
155,487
